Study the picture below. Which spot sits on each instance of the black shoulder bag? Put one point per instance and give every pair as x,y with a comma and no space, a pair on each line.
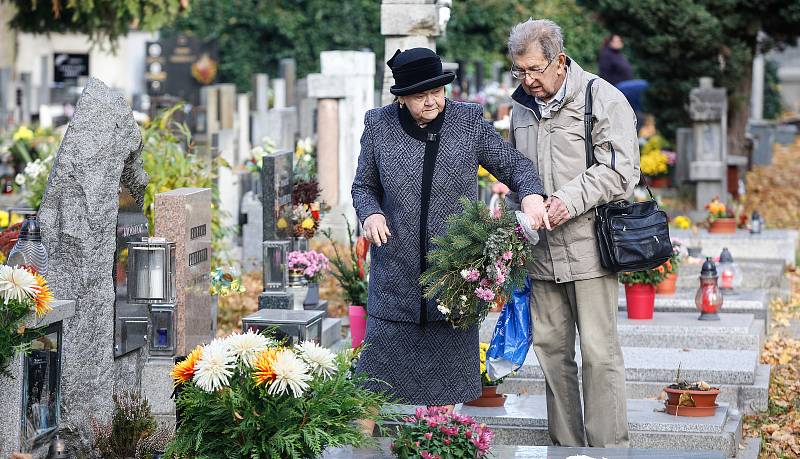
631,236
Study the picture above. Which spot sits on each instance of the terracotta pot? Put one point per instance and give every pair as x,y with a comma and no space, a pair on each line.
668,285
358,324
641,300
489,397
659,182
692,411
701,398
723,225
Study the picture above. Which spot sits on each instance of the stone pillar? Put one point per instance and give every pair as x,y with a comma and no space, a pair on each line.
757,92
259,107
100,154
209,98
279,93
227,179
243,128
227,105
328,149
306,109
408,24
289,74
708,108
683,148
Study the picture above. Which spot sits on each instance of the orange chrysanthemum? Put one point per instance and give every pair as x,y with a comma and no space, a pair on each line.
43,297
264,373
184,370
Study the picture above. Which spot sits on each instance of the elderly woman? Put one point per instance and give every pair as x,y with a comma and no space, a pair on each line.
419,156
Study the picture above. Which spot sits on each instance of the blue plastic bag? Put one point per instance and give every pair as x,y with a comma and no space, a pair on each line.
512,337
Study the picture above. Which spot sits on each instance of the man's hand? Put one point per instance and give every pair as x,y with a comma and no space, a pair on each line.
533,207
557,212
376,230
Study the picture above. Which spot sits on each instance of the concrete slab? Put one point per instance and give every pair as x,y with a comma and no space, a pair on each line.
756,274
770,244
331,331
738,301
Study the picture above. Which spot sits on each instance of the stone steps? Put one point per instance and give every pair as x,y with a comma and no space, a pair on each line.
749,399
523,421
738,302
677,330
770,244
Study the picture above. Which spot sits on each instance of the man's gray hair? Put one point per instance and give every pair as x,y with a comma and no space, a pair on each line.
545,33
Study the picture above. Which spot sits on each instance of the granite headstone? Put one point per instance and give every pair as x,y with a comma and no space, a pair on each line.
99,153
276,199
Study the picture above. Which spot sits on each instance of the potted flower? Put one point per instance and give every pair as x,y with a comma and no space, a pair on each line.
248,395
311,266
435,433
655,162
670,282
489,395
691,399
640,291
351,273
720,219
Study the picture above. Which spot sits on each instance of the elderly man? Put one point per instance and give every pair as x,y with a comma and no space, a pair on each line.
570,287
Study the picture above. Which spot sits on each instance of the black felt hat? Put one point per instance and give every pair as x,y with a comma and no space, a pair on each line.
416,70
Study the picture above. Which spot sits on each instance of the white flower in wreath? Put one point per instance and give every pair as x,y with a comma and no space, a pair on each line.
215,367
443,309
20,179
291,374
320,360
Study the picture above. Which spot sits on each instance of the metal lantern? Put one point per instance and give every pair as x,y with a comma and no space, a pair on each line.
756,223
276,265
296,325
729,272
708,298
151,271
161,333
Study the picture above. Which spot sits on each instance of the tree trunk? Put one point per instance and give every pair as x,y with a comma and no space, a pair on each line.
739,114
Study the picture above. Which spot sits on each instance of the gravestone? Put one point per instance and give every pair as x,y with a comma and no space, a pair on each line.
288,70
252,231
685,154
276,199
99,153
708,108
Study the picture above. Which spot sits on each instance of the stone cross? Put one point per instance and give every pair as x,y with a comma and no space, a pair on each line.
99,153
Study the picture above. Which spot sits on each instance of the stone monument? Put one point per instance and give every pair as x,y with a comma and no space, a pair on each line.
100,153
276,199
708,108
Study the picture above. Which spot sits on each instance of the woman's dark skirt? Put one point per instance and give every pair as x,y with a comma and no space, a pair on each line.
430,364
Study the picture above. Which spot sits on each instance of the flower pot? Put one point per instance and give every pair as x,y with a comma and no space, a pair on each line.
489,397
668,285
358,324
701,398
659,182
723,225
641,300
312,297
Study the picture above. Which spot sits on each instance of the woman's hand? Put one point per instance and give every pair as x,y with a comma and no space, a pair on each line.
376,230
533,207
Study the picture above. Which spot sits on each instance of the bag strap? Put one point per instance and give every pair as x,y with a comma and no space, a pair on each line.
588,123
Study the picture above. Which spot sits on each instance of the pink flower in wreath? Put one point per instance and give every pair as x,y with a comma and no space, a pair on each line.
470,275
486,283
508,255
484,293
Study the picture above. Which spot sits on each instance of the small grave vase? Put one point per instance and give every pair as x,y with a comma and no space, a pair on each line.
358,324
312,297
697,403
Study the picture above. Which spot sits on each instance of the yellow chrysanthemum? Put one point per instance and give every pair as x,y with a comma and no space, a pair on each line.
308,223
23,133
3,219
16,218
682,222
282,223
44,296
264,372
184,370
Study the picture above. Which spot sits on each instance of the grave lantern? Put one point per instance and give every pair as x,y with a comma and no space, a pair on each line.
276,265
297,326
708,298
756,223
161,333
29,250
729,272
151,271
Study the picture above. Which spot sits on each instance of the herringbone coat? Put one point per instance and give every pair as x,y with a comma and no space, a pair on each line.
388,181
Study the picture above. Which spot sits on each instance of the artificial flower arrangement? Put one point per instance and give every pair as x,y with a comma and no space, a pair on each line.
23,291
435,433
305,161
225,282
307,210
248,395
480,257
351,270
310,265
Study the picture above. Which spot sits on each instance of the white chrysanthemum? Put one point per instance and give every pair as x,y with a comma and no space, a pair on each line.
215,366
291,374
16,284
443,309
320,359
247,346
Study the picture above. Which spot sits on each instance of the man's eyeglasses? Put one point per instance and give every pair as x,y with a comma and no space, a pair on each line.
533,73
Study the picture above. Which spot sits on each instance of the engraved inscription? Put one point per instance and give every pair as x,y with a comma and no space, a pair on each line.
197,231
198,257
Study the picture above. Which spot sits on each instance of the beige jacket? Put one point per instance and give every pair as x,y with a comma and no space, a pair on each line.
556,146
